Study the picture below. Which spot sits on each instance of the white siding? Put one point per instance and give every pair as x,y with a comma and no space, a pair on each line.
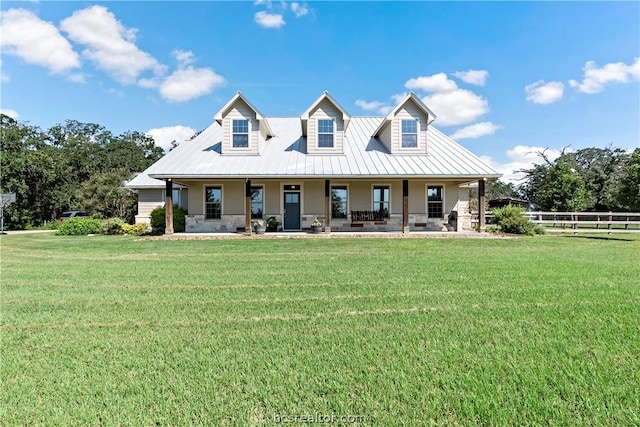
241,111
325,110
385,136
409,111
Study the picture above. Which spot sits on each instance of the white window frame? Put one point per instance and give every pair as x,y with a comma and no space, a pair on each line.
402,133
248,134
332,133
427,200
204,201
373,206
346,211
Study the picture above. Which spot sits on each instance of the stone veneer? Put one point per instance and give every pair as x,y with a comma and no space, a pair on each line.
231,223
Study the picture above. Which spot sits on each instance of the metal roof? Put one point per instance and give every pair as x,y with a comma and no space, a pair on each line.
284,156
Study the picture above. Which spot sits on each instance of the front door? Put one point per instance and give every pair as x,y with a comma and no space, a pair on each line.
291,210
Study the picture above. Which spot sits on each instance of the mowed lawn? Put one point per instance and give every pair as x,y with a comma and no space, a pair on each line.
125,331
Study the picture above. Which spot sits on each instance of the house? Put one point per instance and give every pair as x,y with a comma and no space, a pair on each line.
393,173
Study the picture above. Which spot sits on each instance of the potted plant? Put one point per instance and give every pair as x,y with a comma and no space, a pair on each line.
316,226
272,223
259,226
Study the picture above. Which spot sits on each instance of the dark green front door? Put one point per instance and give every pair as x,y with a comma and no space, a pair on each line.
291,210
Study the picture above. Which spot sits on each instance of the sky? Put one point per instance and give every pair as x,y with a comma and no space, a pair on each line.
507,80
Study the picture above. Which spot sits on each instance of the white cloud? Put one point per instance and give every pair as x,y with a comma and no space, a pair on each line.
544,93
36,41
298,9
474,77
77,78
166,135
452,105
377,106
3,77
398,97
189,83
435,83
109,44
267,3
11,113
457,107
476,130
269,20
520,157
595,79
186,82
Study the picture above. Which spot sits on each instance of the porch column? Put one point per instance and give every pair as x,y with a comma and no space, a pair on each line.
327,206
247,208
405,206
481,212
168,207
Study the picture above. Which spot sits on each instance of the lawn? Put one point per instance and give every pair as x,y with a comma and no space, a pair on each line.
125,331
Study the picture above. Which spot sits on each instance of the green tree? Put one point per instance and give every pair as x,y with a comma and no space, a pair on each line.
555,186
601,170
628,194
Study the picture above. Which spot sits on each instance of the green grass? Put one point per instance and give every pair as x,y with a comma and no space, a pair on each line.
121,331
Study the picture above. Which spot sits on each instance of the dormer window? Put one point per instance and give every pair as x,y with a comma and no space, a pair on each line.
325,133
409,133
240,133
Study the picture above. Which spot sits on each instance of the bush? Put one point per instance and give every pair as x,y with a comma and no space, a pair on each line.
136,229
79,227
511,219
158,221
111,226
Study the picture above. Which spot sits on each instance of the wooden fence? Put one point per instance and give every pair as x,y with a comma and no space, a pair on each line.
586,222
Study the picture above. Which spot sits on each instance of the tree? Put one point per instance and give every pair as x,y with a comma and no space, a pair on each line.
628,194
79,166
555,186
601,170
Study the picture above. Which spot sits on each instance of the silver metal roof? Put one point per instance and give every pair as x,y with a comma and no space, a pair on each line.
284,156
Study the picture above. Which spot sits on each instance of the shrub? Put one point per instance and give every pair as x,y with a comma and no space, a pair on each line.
79,227
111,226
158,219
135,229
511,219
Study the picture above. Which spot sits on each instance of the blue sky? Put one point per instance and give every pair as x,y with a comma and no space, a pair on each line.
506,79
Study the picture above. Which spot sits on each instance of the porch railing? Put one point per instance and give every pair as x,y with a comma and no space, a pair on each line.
359,216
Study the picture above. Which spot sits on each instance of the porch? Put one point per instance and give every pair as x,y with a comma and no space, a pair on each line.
343,206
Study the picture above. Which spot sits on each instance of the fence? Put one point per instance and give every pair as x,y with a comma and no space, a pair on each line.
589,222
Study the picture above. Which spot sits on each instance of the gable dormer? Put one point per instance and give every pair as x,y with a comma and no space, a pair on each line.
244,129
404,130
324,124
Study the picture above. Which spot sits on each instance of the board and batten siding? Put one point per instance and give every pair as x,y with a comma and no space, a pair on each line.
241,111
325,110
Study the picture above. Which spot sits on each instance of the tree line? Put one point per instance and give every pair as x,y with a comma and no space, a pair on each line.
74,166
589,179
83,166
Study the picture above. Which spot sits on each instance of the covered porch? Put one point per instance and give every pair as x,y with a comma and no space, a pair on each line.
342,206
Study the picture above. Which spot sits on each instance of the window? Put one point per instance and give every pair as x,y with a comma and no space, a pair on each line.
381,200
325,133
213,202
257,206
241,133
435,198
339,202
409,133
175,197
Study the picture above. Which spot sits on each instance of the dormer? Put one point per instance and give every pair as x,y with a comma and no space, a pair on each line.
244,129
404,130
324,124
